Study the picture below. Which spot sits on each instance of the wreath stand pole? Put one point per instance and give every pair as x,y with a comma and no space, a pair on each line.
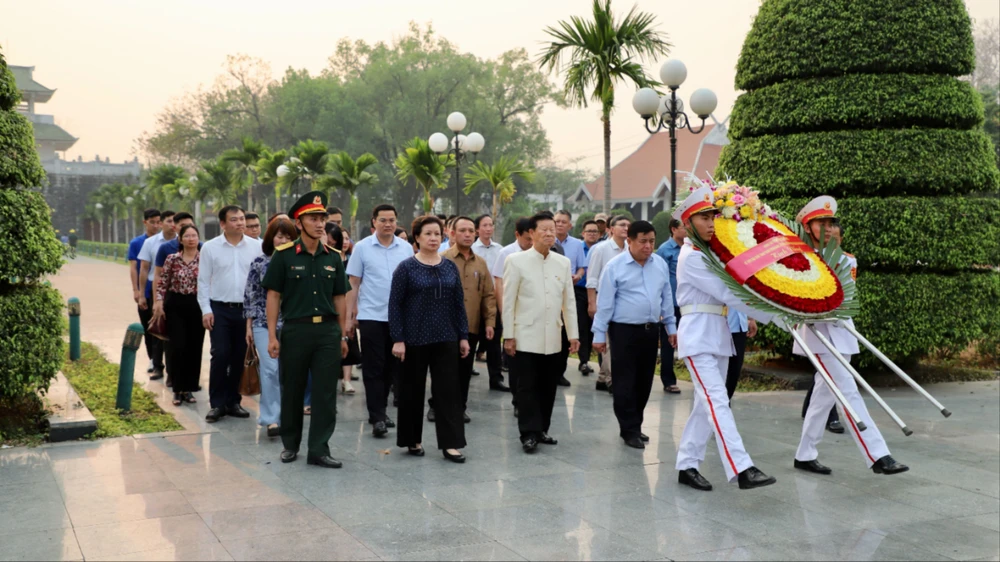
844,404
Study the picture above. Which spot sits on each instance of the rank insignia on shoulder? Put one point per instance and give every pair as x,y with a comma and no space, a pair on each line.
285,246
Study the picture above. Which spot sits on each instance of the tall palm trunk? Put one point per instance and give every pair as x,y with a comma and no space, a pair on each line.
250,197
494,204
606,119
100,230
114,226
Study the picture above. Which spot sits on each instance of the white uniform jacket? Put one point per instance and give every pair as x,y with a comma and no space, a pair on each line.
845,343
537,296
701,332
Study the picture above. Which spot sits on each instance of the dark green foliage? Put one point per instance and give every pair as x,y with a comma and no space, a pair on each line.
580,219
857,101
920,234
31,342
909,316
28,244
865,162
619,212
661,222
9,96
19,163
806,38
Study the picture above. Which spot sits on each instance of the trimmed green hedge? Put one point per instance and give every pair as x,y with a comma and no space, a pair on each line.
31,344
661,222
908,316
118,252
580,219
28,244
857,101
9,96
806,38
865,163
19,163
922,234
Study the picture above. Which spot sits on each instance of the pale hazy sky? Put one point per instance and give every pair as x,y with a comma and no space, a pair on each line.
116,63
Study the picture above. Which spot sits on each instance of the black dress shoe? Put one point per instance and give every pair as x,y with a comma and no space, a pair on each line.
237,411
415,452
389,423
157,375
529,445
611,388
395,402
835,427
601,386
465,417
586,370
475,373
753,478
691,477
169,383
812,466
380,430
888,465
431,416
563,381
635,443
288,456
274,431
644,437
354,377
459,458
547,439
499,386
214,415
326,461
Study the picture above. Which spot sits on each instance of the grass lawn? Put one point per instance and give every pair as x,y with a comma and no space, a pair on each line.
96,381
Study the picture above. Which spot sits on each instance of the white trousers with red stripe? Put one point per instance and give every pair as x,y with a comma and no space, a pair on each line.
711,414
870,441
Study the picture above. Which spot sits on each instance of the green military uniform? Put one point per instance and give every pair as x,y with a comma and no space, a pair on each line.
311,336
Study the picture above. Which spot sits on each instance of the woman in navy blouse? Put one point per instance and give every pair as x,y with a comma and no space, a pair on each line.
428,324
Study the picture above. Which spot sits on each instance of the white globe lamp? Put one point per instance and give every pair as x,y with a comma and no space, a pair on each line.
703,102
673,73
475,142
645,102
438,142
456,122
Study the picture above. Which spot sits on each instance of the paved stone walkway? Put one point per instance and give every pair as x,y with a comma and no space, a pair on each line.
219,493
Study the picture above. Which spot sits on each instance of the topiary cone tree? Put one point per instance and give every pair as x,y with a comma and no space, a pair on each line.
861,100
30,310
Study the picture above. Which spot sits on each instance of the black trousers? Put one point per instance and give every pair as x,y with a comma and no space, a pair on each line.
154,345
494,350
379,369
834,416
187,339
464,372
736,363
443,361
229,349
537,378
667,376
584,322
633,353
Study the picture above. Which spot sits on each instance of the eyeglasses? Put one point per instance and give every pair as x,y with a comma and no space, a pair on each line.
384,220
591,231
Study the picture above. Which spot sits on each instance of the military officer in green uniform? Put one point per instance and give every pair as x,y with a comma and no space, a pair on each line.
306,281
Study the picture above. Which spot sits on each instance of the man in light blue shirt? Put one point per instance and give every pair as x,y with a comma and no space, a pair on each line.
670,251
370,272
742,328
635,299
591,236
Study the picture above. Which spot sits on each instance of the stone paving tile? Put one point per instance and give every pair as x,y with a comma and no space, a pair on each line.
87,511
138,536
328,544
248,522
390,537
580,544
520,521
209,552
955,539
53,544
485,551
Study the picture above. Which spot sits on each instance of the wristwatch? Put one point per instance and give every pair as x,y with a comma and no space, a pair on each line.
345,338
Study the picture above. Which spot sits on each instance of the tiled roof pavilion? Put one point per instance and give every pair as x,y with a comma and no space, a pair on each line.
642,180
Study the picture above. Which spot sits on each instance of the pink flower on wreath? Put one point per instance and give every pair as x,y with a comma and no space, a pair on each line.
738,199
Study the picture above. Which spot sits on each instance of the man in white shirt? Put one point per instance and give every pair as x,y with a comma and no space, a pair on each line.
222,277
486,248
521,242
538,295
599,256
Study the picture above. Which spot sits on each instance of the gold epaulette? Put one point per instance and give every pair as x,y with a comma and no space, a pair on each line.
332,249
285,246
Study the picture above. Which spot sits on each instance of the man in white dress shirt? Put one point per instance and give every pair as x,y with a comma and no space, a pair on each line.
538,295
705,343
599,256
222,278
488,249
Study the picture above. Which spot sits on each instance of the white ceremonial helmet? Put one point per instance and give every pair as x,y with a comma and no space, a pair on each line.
820,207
698,201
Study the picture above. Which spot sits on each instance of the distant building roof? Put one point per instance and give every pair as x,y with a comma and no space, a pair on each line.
23,77
644,175
55,134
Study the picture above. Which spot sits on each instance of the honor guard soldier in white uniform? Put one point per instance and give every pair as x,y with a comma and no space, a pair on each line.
817,218
705,343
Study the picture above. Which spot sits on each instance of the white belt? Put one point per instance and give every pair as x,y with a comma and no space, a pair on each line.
705,309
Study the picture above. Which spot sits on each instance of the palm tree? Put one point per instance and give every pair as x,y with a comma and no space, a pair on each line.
267,173
215,179
500,177
425,166
602,53
308,162
348,174
100,205
164,183
245,161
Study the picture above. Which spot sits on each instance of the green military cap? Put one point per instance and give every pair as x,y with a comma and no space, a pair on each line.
312,202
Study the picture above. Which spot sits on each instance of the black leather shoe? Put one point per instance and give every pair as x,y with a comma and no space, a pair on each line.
586,370
475,373
169,383
601,386
415,452
459,458
157,375
389,423
835,427
499,386
753,478
529,445
563,381
888,465
644,437
611,388
431,417
547,439
288,456
214,415
635,443
380,430
813,466
465,417
691,477
325,461
237,411
274,431
395,402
